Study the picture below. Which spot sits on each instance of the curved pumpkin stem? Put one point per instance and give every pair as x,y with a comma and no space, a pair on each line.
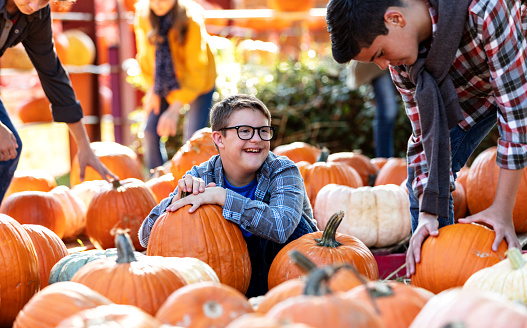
328,236
125,248
324,154
515,256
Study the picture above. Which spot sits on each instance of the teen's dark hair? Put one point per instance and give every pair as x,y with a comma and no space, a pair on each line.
222,110
180,24
354,24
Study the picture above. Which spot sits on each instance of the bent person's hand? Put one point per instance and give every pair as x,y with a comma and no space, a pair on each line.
427,226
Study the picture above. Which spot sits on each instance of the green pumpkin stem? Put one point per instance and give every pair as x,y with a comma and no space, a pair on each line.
125,248
328,236
302,261
324,154
515,256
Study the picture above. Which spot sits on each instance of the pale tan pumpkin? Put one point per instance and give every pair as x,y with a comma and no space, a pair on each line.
87,189
378,216
74,211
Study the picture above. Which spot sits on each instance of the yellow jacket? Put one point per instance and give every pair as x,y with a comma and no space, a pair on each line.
193,61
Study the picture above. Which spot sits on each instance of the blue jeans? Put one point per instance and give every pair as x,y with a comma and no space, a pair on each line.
7,168
385,115
196,118
462,145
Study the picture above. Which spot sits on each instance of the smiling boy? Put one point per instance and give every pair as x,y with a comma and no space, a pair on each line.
262,193
460,67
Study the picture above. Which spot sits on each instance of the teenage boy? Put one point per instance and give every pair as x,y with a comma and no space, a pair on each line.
261,192
459,65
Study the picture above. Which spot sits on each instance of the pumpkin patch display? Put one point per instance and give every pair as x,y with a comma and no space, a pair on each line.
122,204
482,182
508,277
378,216
449,259
298,151
206,235
19,271
361,163
31,180
119,159
324,248
57,302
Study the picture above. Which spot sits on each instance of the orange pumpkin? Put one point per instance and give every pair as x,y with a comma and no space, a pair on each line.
292,5
81,50
74,211
145,282
43,311
482,182
35,110
27,180
258,320
359,162
198,149
203,305
120,205
49,247
323,248
204,234
449,259
393,172
462,176
460,201
36,207
161,184
119,159
19,273
111,315
379,161
299,151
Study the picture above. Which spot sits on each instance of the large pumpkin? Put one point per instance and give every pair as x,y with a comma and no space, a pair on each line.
482,182
31,180
57,302
122,204
19,273
324,248
145,282
378,216
36,207
204,234
49,247
361,163
449,259
298,151
198,149
393,172
119,159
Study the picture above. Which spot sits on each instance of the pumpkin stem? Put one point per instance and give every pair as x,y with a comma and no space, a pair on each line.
125,248
318,278
116,183
302,261
324,154
515,256
184,194
328,236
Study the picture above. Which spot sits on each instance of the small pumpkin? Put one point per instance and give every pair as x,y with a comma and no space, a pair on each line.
87,189
161,184
393,172
198,149
31,180
361,163
298,151
323,248
35,110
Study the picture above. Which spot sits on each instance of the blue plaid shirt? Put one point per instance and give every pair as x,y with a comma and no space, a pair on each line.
281,200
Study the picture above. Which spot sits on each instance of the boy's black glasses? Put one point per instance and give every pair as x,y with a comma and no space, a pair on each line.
246,132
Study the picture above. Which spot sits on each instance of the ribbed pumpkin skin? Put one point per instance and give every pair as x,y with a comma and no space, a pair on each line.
57,302
49,247
119,159
112,315
320,174
36,207
162,186
124,206
74,211
397,308
393,172
359,162
482,182
207,236
460,201
19,273
203,305
198,149
472,309
37,180
145,283
448,260
352,251
298,151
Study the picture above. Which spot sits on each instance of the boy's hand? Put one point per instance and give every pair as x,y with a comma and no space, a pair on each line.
192,184
211,195
427,226
501,223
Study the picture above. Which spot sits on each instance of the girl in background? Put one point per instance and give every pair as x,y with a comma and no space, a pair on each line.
177,68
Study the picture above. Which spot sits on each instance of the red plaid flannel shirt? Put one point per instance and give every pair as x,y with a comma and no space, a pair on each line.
489,71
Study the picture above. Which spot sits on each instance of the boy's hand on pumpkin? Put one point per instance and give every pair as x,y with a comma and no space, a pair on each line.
427,226
501,223
212,195
192,184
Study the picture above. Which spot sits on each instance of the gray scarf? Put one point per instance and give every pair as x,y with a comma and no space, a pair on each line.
436,96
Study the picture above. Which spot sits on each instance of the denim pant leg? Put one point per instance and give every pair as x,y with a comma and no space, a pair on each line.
462,145
154,149
385,115
7,168
198,115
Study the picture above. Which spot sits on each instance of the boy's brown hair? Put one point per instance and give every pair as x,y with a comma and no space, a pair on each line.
222,110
